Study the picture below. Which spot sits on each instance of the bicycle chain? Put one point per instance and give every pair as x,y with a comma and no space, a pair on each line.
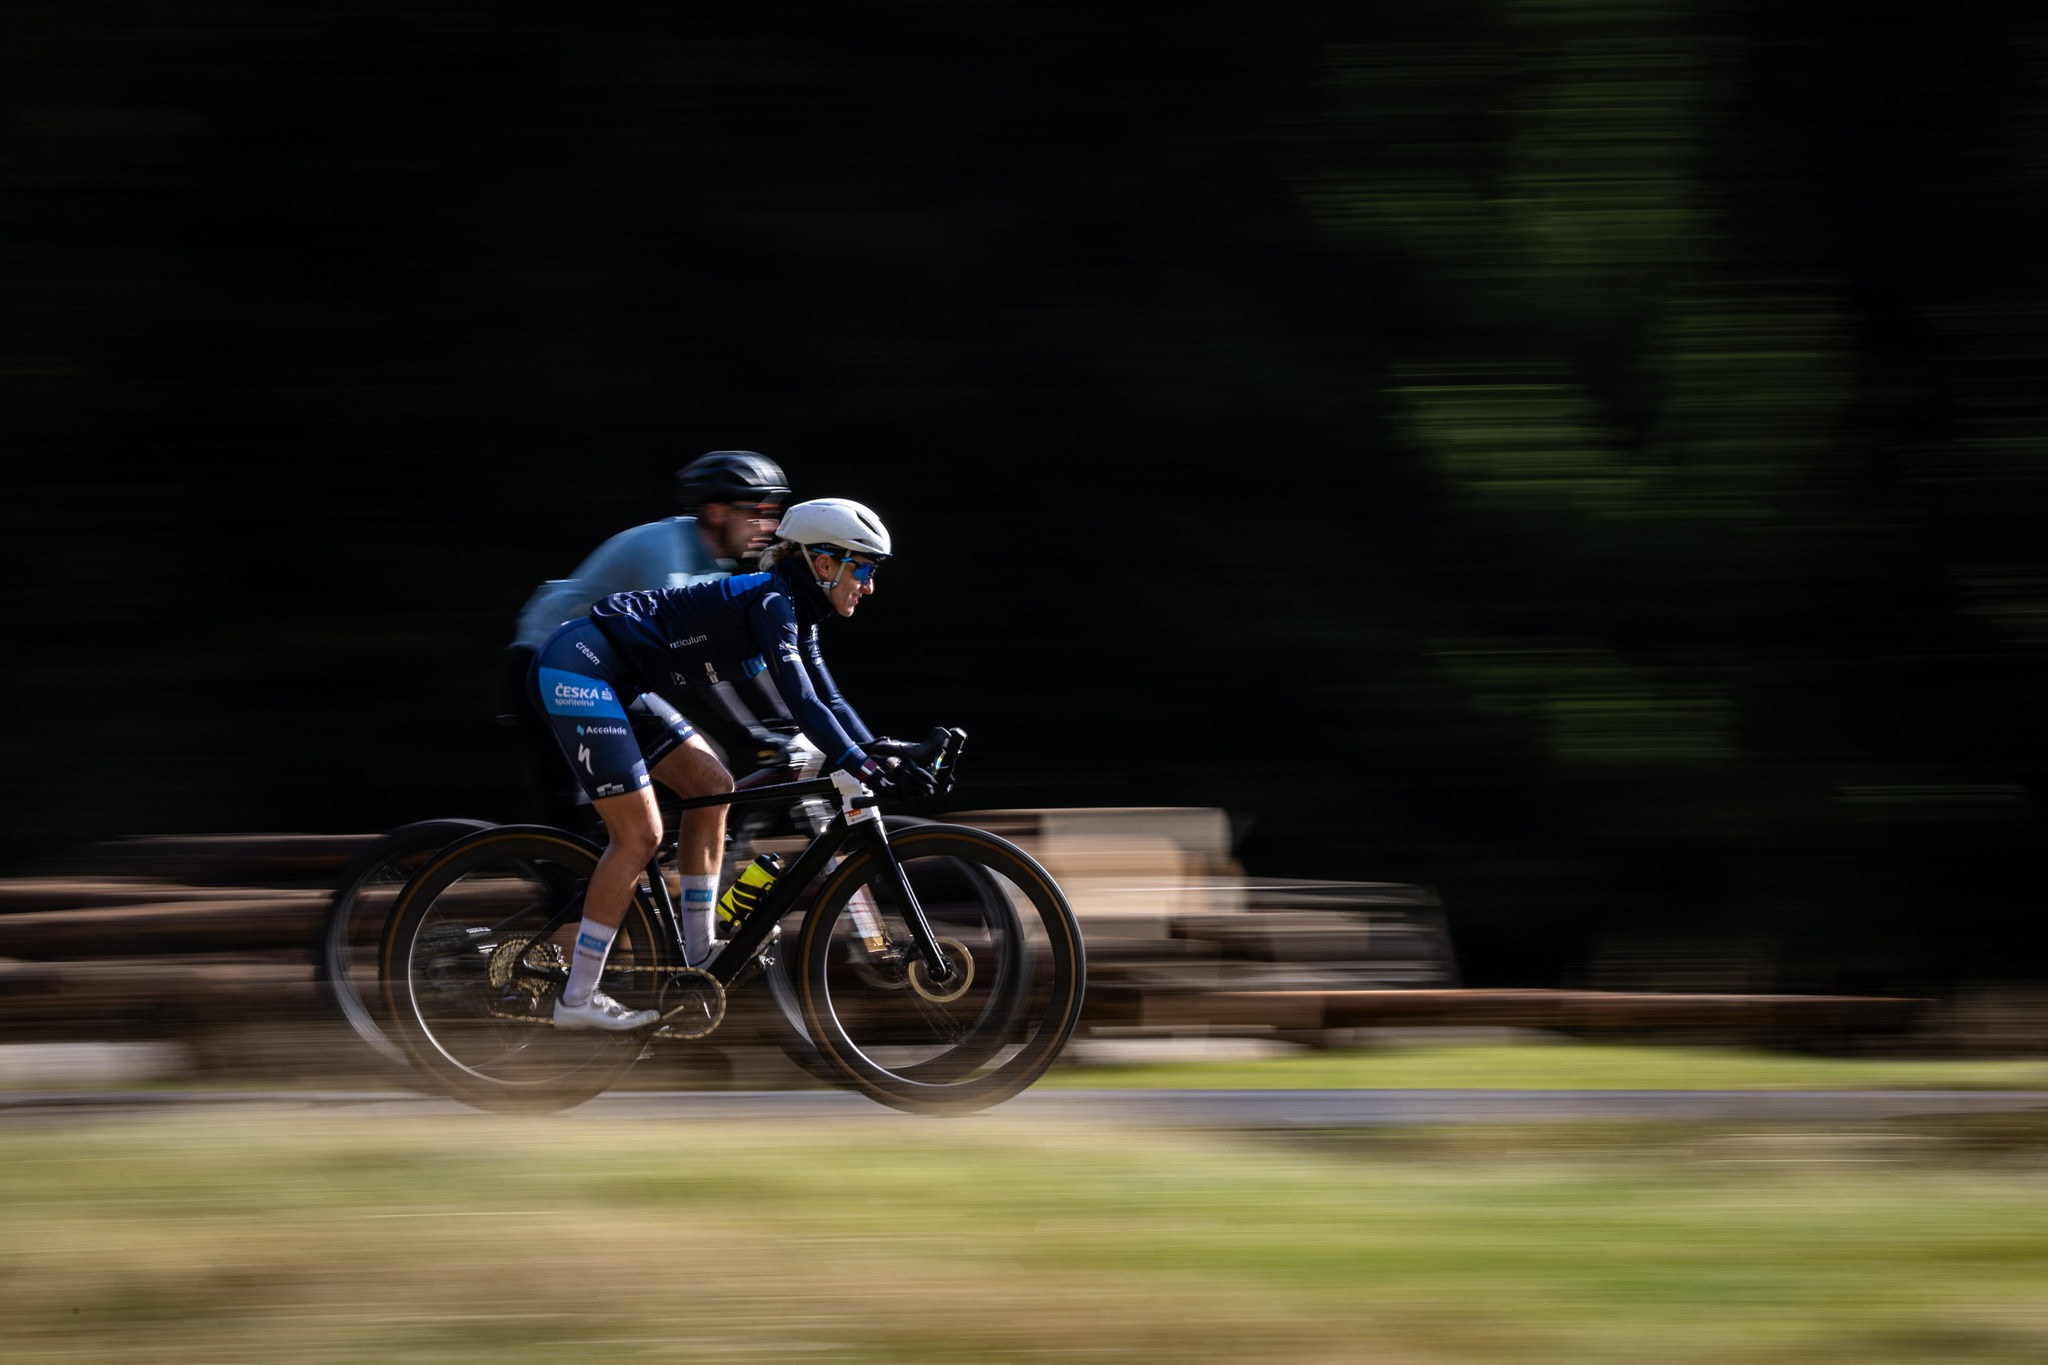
536,1005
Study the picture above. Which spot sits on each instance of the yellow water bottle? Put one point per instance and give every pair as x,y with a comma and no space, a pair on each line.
746,891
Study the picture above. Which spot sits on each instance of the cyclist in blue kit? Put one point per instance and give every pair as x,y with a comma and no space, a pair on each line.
732,499
822,564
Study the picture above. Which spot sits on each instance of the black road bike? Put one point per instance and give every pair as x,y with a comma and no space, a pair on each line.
936,967
346,945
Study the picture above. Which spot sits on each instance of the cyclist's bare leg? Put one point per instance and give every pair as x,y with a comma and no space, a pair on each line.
692,769
633,824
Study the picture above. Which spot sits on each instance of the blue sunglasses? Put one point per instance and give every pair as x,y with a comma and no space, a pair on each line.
863,569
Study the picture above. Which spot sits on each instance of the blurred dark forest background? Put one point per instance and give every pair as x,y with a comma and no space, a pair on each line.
1584,455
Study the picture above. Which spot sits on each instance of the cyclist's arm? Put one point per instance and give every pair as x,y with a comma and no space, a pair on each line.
774,624
828,690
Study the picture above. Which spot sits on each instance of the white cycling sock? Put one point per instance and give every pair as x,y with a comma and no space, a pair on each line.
698,916
593,945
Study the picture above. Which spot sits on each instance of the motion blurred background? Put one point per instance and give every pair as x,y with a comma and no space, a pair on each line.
1583,457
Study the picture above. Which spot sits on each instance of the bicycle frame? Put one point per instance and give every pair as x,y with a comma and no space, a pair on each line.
857,822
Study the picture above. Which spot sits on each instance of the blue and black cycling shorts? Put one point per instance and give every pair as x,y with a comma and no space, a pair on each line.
609,743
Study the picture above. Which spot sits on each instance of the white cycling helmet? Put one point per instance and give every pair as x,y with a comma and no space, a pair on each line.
838,522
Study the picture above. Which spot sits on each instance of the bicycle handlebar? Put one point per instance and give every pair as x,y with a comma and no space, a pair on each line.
939,753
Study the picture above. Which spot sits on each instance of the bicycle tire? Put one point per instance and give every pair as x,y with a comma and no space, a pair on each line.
346,946
893,1040
476,1028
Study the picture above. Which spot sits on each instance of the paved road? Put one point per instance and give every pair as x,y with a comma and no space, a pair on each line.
1169,1108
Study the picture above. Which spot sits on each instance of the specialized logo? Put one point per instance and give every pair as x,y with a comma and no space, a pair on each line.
571,694
685,644
587,652
583,757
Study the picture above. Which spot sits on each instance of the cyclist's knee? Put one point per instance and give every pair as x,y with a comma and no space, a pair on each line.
632,824
635,840
693,771
714,777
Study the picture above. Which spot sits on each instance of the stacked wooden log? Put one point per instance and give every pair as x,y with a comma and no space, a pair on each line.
149,938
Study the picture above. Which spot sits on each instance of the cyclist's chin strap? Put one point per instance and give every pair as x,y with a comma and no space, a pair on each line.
812,560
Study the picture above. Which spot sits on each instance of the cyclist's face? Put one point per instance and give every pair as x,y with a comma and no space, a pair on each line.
740,529
856,580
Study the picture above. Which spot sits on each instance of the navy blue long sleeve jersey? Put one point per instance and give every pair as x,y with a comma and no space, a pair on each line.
737,627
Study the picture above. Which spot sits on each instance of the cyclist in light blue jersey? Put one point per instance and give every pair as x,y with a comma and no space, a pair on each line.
823,565
733,499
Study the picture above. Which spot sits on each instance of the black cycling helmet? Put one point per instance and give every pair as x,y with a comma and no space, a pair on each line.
730,476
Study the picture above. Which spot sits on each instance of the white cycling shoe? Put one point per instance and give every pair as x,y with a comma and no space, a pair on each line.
602,1012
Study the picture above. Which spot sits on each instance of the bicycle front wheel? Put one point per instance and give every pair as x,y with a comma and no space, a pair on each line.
474,958
976,1038
780,986
345,953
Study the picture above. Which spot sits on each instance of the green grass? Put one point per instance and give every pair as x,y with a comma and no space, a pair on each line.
272,1234
1560,1066
1535,1065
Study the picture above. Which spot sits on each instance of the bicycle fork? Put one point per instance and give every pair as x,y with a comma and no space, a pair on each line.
857,803
867,920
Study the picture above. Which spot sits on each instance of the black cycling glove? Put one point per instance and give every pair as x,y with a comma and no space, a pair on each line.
896,777
886,748
911,779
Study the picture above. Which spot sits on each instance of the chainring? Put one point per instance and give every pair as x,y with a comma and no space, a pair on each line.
692,1003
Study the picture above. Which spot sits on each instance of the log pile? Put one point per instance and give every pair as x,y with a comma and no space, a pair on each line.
203,937
156,938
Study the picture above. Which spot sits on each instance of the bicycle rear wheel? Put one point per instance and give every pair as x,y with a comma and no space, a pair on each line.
346,950
472,970
962,1044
